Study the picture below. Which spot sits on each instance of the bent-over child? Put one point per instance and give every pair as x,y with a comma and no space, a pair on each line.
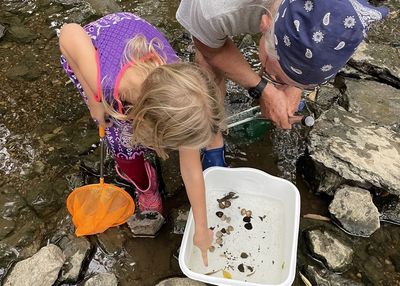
127,72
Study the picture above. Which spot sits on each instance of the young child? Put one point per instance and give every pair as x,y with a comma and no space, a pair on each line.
127,72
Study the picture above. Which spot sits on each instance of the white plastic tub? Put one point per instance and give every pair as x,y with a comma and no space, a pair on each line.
270,246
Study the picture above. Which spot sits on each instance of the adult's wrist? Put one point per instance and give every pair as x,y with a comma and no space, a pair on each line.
256,91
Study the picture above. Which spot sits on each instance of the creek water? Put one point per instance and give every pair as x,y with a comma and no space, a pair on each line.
46,131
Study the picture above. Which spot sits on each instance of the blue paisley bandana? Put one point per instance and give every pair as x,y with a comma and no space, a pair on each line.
315,38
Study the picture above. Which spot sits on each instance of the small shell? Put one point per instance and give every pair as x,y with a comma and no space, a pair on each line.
228,219
221,205
219,214
218,234
249,213
227,204
246,219
243,211
223,217
219,240
211,248
230,228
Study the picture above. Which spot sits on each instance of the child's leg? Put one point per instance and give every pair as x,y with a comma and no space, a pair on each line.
132,166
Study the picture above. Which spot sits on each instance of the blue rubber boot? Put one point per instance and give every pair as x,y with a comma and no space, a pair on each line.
213,157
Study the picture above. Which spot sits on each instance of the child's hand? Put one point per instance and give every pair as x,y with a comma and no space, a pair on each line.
99,115
203,240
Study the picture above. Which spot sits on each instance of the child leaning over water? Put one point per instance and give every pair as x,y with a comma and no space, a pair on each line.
125,69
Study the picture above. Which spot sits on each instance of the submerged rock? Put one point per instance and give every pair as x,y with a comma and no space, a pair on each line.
41,269
321,276
180,282
354,209
102,279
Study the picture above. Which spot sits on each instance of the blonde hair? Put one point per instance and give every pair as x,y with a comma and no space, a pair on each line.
180,106
145,57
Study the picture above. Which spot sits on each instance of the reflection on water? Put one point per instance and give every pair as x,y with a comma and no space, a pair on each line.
16,153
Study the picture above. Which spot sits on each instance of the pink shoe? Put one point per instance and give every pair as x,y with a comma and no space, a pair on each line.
149,199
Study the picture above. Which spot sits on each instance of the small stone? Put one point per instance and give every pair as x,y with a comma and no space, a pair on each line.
248,226
244,255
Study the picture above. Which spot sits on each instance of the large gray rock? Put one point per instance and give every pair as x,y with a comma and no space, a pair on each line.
354,209
350,147
102,279
180,282
41,269
335,254
378,102
380,60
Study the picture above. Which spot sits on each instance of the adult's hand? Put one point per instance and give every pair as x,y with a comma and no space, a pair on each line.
203,240
279,105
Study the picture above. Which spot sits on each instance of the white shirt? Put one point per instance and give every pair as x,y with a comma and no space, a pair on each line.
212,21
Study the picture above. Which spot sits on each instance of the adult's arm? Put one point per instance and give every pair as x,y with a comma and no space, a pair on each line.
192,175
274,103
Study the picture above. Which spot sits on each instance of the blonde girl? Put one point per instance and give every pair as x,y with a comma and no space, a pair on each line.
130,78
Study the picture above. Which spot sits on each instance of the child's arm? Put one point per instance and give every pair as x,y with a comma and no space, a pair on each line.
192,175
78,50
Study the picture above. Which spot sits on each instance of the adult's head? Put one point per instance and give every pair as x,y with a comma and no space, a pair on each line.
180,105
309,41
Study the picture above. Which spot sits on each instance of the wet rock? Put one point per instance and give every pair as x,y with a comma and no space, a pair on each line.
180,282
391,212
7,225
354,209
75,250
146,224
363,100
326,97
180,218
41,269
102,279
22,72
44,196
380,60
349,146
111,241
322,276
104,7
2,31
21,34
335,254
395,259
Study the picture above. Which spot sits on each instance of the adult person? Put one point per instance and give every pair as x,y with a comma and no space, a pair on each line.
304,43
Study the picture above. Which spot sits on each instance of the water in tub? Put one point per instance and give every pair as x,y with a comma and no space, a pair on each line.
248,238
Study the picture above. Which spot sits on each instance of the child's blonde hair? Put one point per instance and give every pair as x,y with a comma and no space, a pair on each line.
179,105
